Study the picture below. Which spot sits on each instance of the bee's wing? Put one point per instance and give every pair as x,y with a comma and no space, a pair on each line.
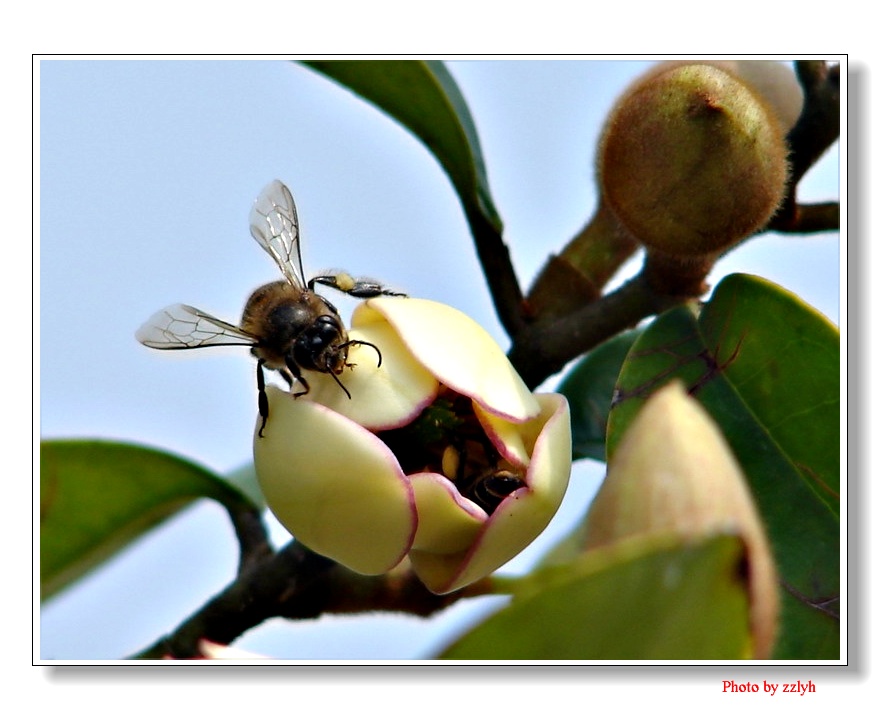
180,327
275,226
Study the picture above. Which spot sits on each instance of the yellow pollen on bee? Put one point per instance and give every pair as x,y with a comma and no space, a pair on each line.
344,281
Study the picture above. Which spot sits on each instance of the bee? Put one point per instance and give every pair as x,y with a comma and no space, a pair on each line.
287,324
479,474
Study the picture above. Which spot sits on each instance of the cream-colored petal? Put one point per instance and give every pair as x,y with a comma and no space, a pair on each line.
521,517
456,350
505,435
775,82
448,522
334,485
438,571
383,396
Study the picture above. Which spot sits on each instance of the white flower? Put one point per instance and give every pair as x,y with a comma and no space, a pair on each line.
442,454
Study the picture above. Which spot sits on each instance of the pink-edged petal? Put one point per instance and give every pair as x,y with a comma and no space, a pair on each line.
448,522
456,350
521,517
383,396
549,437
437,571
334,485
506,436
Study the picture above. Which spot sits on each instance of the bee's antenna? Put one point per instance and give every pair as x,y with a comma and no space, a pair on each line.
364,342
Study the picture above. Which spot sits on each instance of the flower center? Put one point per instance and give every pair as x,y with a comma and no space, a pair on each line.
447,438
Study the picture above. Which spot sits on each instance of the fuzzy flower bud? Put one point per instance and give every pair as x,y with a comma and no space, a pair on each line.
693,159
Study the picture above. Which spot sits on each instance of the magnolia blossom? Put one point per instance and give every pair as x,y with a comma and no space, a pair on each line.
441,455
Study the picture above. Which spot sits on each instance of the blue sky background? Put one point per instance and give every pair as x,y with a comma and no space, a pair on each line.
147,173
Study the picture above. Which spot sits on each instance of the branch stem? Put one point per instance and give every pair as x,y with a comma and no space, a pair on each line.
298,584
544,348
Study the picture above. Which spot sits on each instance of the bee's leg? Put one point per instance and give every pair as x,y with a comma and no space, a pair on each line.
262,398
292,374
338,382
357,287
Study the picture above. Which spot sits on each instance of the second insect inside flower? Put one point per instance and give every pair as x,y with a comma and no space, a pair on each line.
442,454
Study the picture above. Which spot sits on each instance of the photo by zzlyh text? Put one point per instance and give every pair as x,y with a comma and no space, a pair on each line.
288,326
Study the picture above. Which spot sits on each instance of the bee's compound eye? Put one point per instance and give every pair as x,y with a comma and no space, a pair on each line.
492,489
502,483
322,332
327,329
325,332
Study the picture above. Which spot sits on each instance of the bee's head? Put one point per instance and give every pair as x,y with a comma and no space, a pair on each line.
322,346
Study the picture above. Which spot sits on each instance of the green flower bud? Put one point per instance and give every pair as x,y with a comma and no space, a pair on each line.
674,472
693,160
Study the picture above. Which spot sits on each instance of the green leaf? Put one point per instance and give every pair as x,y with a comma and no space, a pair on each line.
424,98
589,388
767,367
98,496
644,599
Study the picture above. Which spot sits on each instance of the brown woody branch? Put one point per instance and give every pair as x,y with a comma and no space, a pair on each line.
816,130
543,349
250,531
498,270
808,218
295,583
